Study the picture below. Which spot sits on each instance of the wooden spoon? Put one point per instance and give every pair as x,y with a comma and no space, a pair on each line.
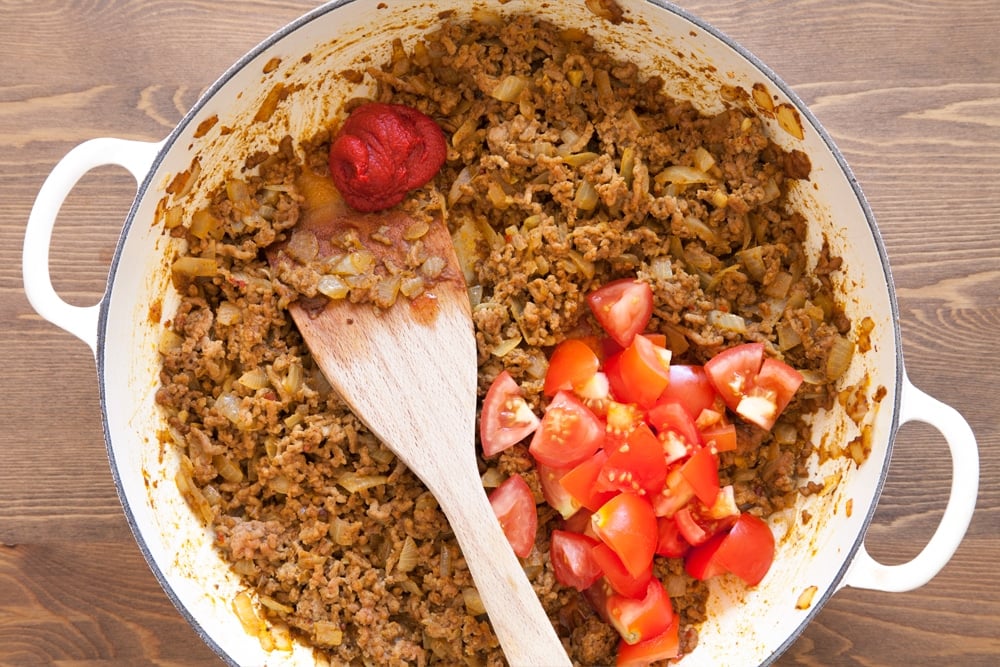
409,373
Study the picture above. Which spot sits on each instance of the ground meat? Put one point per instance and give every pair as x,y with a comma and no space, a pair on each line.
560,191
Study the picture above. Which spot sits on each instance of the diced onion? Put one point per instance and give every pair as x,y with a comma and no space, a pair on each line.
839,357
227,470
228,313
274,605
353,482
727,321
504,347
303,246
473,603
194,267
682,175
327,633
586,196
509,89
409,556
333,287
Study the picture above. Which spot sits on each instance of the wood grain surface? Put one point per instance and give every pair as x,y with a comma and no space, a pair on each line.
909,90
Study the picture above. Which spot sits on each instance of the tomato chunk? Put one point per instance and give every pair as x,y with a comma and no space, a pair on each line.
748,549
640,373
689,386
572,561
626,523
572,364
664,646
638,619
701,561
581,482
669,416
618,577
506,418
568,433
556,496
670,542
623,308
702,472
732,372
515,509
773,389
637,465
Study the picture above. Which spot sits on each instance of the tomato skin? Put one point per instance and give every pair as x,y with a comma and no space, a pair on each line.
701,561
581,482
638,619
618,577
571,365
643,372
702,472
689,386
670,543
514,506
722,438
637,465
506,417
623,308
626,523
572,562
568,433
664,646
732,371
748,549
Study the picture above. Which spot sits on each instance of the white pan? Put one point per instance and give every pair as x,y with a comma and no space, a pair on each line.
743,627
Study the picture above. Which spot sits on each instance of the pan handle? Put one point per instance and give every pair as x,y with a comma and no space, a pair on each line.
865,571
81,321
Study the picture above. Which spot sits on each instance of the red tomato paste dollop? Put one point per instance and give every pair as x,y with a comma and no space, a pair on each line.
382,152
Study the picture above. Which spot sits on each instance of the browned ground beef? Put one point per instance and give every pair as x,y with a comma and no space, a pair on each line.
340,541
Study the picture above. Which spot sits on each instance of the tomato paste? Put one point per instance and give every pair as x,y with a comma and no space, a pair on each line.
382,152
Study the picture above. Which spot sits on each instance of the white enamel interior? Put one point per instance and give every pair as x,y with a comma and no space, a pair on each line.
744,628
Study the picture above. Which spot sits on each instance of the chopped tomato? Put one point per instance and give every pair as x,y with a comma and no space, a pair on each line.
676,494
506,417
671,416
689,386
568,434
701,562
619,578
748,549
732,371
638,619
664,646
702,472
773,389
623,308
669,541
721,438
640,372
637,465
580,523
755,388
555,495
689,528
619,422
515,508
572,562
581,482
626,523
572,364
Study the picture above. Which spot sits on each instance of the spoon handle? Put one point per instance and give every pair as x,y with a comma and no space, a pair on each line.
519,621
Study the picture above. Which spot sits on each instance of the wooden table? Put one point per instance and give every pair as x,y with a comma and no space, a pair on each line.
910,91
